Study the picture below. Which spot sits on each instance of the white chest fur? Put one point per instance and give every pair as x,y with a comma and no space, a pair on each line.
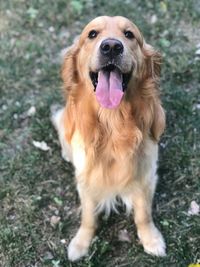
75,152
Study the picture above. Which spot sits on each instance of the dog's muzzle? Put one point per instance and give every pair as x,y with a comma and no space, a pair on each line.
109,81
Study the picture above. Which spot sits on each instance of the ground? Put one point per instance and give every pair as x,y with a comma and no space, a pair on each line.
39,207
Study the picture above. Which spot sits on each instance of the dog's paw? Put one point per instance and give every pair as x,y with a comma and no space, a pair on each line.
153,242
77,249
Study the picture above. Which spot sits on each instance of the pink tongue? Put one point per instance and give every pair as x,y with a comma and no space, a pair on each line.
109,89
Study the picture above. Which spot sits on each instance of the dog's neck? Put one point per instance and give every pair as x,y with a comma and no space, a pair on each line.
103,128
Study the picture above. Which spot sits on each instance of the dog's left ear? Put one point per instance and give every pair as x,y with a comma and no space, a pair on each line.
158,124
152,74
153,62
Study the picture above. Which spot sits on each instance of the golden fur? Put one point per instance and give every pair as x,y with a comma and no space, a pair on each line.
114,151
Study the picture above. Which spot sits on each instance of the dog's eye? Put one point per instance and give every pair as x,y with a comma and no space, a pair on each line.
129,35
92,34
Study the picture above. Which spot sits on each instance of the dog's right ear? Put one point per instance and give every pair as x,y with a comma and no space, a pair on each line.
69,71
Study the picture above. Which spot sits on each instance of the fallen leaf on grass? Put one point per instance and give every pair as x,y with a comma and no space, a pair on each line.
63,241
194,208
124,236
54,209
153,19
41,145
48,255
31,112
197,52
54,220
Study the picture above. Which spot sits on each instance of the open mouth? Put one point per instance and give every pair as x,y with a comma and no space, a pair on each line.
125,76
109,84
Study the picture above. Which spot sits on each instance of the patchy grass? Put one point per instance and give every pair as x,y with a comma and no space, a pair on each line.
35,185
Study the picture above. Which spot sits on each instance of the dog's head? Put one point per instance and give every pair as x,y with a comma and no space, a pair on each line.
108,58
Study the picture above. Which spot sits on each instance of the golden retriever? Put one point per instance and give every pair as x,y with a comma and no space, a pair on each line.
111,125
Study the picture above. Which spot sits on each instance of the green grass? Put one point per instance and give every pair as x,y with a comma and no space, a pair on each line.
35,185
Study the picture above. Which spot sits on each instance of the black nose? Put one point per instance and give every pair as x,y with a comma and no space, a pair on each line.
111,47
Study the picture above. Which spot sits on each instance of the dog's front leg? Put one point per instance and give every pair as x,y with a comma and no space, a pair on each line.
149,235
79,245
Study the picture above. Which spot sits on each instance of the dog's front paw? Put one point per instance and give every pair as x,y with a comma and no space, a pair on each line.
153,242
77,249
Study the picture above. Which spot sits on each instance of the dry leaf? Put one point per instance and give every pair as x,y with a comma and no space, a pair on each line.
194,208
41,145
63,241
153,19
197,52
48,255
54,220
124,236
31,112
